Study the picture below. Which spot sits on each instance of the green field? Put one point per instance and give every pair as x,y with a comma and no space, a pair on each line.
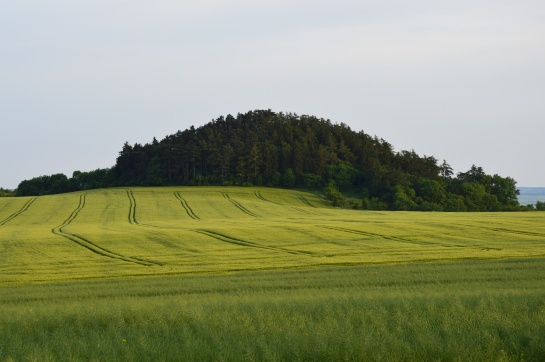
210,273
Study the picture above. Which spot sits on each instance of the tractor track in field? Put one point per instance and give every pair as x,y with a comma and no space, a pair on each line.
186,206
132,211
395,238
81,241
19,212
517,232
132,208
305,201
259,196
240,242
238,205
304,211
506,231
366,233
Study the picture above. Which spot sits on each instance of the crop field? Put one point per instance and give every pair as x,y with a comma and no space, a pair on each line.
158,231
232,273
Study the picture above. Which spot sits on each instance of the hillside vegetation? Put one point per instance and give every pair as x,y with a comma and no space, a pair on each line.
164,230
264,148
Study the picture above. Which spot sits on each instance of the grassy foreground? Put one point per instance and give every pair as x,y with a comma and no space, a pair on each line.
264,274
464,311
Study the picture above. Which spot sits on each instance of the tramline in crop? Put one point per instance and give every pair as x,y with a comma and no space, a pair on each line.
19,212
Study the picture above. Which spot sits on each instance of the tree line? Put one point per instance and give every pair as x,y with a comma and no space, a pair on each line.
6,192
352,169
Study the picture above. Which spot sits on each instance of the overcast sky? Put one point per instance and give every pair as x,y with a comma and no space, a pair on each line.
460,80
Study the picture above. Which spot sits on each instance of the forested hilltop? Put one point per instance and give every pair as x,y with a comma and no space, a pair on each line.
286,150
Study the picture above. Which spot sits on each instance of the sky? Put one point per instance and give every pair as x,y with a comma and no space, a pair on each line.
463,81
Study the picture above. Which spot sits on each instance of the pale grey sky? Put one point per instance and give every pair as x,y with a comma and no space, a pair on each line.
460,80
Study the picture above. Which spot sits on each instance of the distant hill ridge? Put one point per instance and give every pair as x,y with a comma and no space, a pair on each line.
262,147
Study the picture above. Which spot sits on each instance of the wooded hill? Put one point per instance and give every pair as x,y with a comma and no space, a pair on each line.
286,150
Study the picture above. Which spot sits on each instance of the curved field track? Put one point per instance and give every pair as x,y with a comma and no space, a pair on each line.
180,230
59,230
18,212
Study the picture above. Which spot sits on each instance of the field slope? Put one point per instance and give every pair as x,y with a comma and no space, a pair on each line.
233,274
177,230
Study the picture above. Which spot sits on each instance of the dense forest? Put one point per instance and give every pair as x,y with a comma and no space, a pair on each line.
351,169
